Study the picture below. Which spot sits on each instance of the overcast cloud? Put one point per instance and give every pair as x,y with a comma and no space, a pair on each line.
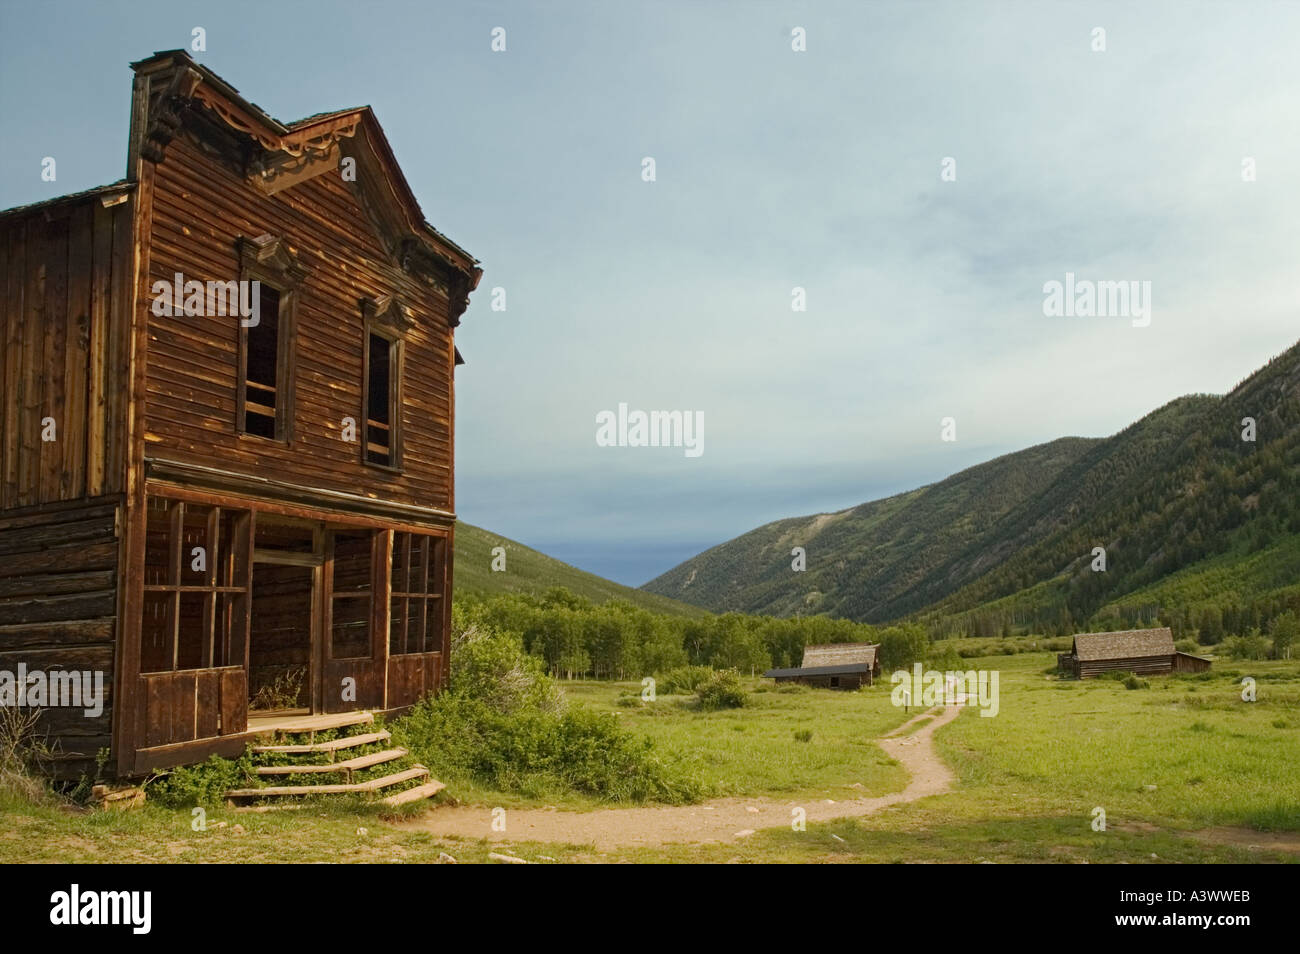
775,169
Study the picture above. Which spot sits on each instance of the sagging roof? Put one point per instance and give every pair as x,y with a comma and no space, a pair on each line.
1126,644
112,190
840,654
850,669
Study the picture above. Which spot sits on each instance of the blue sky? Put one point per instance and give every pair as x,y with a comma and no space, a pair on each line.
774,169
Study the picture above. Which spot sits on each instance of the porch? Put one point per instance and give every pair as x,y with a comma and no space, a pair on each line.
254,622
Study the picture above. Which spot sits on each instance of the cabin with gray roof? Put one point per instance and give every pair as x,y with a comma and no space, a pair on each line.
1143,652
834,666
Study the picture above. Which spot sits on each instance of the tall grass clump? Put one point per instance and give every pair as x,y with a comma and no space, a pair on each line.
22,756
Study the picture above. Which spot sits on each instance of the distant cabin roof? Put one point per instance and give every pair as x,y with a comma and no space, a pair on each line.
840,654
1127,644
851,669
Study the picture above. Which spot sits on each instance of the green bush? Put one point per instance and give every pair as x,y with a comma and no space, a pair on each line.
1253,646
1133,682
803,735
202,784
682,680
502,723
722,691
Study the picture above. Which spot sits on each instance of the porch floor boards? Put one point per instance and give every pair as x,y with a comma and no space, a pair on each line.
270,723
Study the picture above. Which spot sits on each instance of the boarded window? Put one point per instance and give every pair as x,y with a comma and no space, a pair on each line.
195,609
418,575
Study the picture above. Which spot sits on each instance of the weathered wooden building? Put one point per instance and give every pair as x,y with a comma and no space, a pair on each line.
833,666
226,449
1143,652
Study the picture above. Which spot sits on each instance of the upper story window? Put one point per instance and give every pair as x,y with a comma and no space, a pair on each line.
264,394
262,397
385,327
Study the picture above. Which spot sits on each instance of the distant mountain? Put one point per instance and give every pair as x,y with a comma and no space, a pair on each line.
528,571
1012,539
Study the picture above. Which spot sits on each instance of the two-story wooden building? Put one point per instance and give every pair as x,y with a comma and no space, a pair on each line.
226,440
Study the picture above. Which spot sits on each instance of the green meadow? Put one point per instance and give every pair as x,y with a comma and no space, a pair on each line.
1184,769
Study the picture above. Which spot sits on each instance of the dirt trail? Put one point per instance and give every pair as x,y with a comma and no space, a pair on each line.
724,819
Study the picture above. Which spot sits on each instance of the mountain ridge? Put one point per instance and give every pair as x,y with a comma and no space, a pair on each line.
1173,488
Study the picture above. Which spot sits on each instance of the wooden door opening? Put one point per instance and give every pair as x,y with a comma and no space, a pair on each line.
280,639
284,629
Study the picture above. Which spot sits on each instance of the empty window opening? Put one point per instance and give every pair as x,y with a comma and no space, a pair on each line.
379,401
262,390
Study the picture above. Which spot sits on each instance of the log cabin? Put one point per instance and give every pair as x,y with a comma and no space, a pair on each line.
234,514
1143,652
833,666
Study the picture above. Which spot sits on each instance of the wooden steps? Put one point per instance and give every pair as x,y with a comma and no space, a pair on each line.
330,747
294,735
427,790
372,785
347,767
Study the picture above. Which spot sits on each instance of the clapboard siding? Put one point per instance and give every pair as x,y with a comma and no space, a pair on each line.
200,207
61,362
1141,666
58,608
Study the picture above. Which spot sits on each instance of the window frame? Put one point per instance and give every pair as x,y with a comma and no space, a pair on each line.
228,574
430,596
384,318
269,261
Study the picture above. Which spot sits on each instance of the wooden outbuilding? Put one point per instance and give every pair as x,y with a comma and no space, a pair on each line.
834,666
226,439
1143,652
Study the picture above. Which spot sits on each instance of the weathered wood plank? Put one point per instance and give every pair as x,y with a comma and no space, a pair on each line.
15,378
98,357
61,634
56,584
72,476
80,558
54,404
58,608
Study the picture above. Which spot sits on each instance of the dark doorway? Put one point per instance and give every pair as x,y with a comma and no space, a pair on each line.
280,641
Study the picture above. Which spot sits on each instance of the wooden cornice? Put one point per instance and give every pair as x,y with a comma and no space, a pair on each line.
386,312
271,254
165,112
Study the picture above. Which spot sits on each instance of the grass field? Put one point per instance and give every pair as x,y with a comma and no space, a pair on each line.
1184,770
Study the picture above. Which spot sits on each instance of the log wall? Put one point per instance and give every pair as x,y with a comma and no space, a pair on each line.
58,607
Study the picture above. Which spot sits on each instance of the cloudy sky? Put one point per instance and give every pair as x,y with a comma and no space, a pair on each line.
774,169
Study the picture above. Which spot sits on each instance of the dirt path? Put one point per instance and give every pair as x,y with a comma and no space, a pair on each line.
724,819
